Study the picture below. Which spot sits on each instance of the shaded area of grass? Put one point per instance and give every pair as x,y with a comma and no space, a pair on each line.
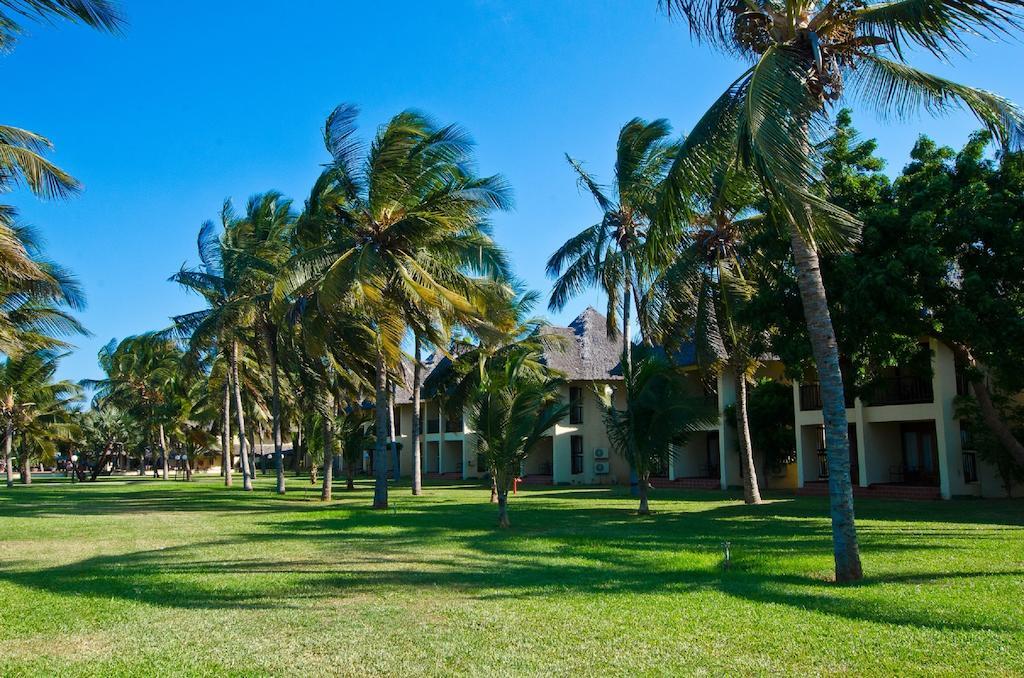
149,574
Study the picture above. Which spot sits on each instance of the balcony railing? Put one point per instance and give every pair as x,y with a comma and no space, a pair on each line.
970,467
902,390
810,397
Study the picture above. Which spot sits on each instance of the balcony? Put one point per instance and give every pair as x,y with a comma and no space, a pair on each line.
810,397
453,426
433,426
901,390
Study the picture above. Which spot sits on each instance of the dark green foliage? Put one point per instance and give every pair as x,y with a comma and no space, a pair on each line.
982,441
772,425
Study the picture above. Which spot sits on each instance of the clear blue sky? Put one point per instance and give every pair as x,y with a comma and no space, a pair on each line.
201,100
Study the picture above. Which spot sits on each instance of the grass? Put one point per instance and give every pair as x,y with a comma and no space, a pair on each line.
126,577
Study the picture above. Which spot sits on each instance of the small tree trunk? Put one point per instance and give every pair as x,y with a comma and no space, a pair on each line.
380,464
325,492
8,439
830,378
275,404
494,490
417,463
26,469
226,462
645,483
350,476
751,492
627,296
163,452
102,460
188,467
503,509
243,450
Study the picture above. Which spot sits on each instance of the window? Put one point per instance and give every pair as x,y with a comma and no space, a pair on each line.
575,405
576,443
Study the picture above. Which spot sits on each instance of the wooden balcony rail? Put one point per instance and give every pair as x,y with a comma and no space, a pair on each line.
902,390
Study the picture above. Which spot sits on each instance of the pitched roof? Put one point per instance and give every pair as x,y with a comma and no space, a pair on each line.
586,352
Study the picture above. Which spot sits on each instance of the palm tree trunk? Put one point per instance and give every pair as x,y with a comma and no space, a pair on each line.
243,450
325,492
26,468
380,464
8,439
751,492
837,444
645,483
275,406
226,461
350,476
503,521
627,303
494,489
417,465
163,452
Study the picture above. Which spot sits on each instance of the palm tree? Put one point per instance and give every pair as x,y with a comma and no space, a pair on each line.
353,427
35,409
511,411
22,161
140,372
699,295
400,225
222,326
610,254
100,14
36,312
805,56
103,428
659,415
264,236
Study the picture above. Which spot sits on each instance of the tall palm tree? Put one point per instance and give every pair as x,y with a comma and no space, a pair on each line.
223,325
699,295
400,224
264,237
610,254
805,55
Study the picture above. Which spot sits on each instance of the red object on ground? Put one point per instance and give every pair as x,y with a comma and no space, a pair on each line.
515,485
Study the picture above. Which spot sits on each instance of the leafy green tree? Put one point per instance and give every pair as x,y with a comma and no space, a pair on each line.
659,415
986,443
805,57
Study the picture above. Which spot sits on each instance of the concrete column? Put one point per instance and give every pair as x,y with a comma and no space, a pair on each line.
798,435
947,426
862,441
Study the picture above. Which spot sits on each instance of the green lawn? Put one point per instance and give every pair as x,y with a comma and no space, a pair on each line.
146,577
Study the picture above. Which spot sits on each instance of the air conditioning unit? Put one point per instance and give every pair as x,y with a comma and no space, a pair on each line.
600,453
602,468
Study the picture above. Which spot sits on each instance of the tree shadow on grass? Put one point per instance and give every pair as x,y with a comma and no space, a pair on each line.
558,547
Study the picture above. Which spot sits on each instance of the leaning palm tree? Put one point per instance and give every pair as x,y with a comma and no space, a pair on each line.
511,410
805,56
610,254
400,223
659,415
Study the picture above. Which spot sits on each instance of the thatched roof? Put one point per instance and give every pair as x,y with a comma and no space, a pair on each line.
586,352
